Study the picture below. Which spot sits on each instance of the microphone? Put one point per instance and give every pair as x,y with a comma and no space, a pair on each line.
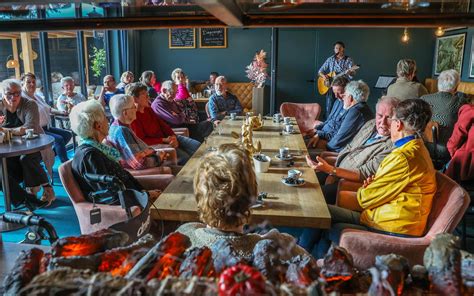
100,178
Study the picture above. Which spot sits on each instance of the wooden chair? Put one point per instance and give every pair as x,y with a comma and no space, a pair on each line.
449,204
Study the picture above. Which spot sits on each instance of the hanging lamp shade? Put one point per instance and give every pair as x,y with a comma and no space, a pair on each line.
11,63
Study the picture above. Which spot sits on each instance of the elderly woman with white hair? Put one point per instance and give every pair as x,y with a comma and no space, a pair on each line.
68,98
404,87
89,122
445,104
356,114
135,153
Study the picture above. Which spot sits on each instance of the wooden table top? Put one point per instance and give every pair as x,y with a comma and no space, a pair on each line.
302,206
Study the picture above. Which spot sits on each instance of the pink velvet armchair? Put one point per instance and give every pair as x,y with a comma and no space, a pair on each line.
110,214
306,114
449,205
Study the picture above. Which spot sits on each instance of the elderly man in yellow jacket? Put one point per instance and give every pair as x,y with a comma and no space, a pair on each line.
397,200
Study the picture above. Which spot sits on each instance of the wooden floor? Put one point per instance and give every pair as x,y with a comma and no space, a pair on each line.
286,206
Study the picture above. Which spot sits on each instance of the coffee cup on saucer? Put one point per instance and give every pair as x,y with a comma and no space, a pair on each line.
294,174
233,115
30,133
284,152
287,120
277,117
289,128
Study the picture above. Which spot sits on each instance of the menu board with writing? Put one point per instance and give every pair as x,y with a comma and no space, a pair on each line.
213,37
182,38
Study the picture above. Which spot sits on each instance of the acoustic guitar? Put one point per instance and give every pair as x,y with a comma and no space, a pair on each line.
324,84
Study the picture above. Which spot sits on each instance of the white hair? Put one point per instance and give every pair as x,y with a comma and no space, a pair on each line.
84,115
359,90
175,73
392,101
8,84
66,79
118,103
168,84
448,80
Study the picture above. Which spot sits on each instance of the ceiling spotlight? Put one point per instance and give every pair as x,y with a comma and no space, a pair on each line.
405,36
439,32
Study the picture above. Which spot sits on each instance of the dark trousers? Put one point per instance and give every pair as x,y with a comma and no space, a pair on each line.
187,147
61,138
329,190
200,131
330,99
25,169
28,169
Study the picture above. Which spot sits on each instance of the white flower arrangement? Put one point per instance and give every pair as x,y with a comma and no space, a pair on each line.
257,70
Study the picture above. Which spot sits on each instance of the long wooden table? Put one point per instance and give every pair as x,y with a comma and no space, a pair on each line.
302,206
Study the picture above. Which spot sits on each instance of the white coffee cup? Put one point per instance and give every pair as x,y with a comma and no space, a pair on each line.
277,117
2,135
289,128
262,166
30,133
287,120
233,115
294,174
284,152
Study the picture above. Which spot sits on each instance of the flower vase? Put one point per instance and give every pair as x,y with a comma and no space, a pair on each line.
258,100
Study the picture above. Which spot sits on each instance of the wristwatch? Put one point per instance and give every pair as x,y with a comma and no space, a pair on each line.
333,171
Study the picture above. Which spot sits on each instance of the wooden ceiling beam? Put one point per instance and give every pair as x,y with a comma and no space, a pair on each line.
253,21
225,10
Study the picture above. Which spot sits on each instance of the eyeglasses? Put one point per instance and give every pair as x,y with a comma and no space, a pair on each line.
10,95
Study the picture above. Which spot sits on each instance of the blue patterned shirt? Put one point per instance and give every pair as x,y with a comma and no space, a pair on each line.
217,104
336,65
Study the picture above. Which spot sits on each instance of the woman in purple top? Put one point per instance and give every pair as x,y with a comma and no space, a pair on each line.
166,108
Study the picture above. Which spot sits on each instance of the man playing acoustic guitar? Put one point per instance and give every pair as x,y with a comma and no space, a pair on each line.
335,65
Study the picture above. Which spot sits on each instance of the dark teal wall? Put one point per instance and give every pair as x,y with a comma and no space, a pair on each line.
198,62
301,52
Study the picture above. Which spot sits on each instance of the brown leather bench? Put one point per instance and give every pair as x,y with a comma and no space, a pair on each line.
242,90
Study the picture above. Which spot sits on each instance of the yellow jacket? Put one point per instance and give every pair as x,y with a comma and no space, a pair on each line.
399,199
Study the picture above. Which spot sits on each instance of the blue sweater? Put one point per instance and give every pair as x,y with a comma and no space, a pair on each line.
352,120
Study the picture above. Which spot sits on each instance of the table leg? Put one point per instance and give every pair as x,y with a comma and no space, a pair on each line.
5,226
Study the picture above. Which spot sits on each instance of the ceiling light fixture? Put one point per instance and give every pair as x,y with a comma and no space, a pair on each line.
11,63
405,36
439,32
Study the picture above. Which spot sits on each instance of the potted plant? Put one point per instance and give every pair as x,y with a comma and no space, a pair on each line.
257,73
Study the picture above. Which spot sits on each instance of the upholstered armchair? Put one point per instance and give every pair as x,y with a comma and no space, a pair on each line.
306,115
449,204
110,214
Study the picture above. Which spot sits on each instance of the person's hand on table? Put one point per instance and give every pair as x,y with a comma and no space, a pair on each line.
313,141
19,131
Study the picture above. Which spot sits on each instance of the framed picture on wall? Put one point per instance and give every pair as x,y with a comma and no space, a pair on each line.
449,53
182,38
213,37
471,64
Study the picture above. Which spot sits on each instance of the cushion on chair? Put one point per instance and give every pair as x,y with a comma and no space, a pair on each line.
183,131
449,204
306,114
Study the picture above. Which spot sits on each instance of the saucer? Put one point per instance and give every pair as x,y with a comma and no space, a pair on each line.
299,182
30,138
289,157
290,133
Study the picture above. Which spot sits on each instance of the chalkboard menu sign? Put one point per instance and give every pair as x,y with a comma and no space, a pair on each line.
213,37
182,38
